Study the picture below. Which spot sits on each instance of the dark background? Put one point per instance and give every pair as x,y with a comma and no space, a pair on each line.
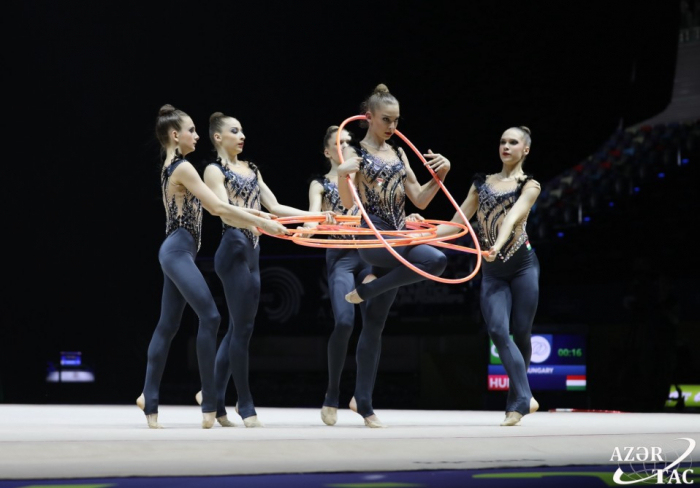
84,83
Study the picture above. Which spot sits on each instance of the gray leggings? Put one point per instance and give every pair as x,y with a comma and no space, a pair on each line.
345,270
369,346
183,284
379,296
509,297
237,265
424,257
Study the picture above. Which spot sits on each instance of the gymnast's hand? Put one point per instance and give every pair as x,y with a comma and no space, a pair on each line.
330,217
491,256
306,230
414,217
438,163
351,165
273,227
265,215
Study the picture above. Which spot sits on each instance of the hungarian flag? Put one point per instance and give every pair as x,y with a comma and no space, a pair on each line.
574,383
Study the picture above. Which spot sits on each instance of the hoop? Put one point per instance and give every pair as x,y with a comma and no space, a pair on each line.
390,248
349,225
403,237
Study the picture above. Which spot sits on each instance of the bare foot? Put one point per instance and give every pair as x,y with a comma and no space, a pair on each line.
369,278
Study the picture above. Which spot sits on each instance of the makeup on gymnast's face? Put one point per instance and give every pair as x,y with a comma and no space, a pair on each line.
386,120
512,148
188,136
331,148
232,137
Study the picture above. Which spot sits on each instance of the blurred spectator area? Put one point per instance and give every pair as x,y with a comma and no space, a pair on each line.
690,21
625,166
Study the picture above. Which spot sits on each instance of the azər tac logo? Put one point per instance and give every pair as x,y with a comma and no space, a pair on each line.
664,474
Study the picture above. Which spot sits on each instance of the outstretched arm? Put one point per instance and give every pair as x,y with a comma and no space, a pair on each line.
468,208
422,195
214,179
270,202
186,175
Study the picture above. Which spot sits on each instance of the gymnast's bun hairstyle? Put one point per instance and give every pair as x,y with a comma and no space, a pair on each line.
216,122
329,139
328,136
380,96
169,118
527,134
165,110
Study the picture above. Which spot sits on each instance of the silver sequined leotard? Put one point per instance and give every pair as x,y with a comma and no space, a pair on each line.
331,202
380,184
243,191
492,210
182,208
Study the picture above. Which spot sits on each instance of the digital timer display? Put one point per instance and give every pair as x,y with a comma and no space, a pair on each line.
564,352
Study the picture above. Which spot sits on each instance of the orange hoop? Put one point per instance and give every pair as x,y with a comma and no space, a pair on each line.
390,248
403,237
349,225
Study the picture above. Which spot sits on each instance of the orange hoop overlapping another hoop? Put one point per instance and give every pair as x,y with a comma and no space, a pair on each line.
348,226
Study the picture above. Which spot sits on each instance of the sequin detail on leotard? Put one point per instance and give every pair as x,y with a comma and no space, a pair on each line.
331,202
380,184
182,208
492,210
243,191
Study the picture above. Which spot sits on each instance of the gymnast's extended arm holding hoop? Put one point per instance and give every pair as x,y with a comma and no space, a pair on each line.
269,201
516,214
468,208
187,176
